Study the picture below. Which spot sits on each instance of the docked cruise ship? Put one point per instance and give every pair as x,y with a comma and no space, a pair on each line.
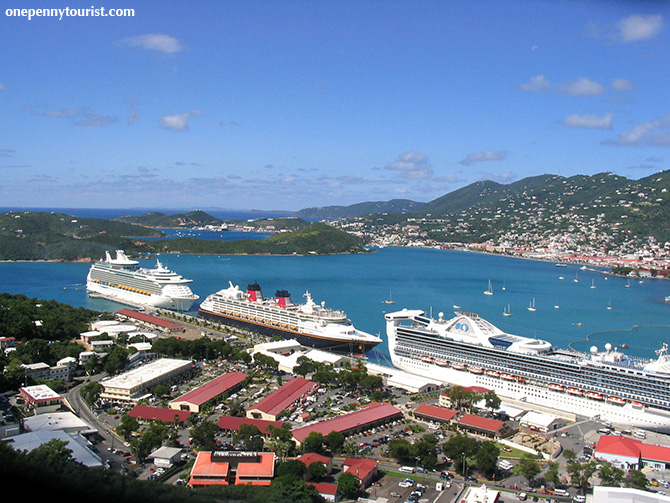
121,280
470,351
311,324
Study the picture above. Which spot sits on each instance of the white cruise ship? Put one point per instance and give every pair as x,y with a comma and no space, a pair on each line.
121,280
469,351
310,324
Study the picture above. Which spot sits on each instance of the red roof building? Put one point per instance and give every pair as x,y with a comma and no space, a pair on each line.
434,413
159,414
374,414
232,468
326,490
234,423
194,400
312,457
275,403
150,321
482,425
629,452
364,468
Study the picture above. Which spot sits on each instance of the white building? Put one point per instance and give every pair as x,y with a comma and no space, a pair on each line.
541,422
134,384
79,446
53,421
165,457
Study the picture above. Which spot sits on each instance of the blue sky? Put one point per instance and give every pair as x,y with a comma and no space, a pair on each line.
287,104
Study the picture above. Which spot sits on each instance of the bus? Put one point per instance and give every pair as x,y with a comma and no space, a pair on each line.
406,469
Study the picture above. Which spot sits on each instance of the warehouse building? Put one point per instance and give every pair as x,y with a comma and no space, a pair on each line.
195,399
135,384
270,407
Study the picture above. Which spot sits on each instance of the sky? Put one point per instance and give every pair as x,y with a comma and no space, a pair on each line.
283,105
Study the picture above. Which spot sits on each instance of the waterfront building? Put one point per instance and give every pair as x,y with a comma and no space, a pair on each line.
136,383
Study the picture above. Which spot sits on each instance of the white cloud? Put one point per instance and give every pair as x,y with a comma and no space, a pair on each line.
589,121
646,132
178,122
579,87
412,166
582,87
154,42
537,84
623,85
483,156
639,27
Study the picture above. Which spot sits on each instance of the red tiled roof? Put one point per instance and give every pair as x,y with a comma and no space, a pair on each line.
481,423
276,402
160,322
312,457
625,446
324,487
234,423
361,467
212,388
433,411
374,412
159,413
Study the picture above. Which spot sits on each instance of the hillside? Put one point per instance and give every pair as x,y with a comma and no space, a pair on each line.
361,209
196,218
314,239
579,210
56,236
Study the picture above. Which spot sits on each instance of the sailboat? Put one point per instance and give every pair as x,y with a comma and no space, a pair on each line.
576,280
507,311
390,299
490,290
609,304
627,285
557,305
593,283
504,285
532,305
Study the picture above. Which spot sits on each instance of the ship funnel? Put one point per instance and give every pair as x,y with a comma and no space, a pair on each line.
282,298
254,292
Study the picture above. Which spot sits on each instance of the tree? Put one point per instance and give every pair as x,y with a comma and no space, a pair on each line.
334,441
552,474
635,479
492,400
487,458
580,473
610,475
313,442
203,435
459,448
569,455
250,436
292,467
127,425
348,484
317,470
528,467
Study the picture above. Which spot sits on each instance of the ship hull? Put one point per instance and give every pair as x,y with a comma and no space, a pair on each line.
134,299
656,420
345,347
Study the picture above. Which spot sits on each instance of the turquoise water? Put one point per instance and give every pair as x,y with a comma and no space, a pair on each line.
415,278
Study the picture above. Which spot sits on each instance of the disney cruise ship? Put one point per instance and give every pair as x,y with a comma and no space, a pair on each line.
310,324
470,351
121,280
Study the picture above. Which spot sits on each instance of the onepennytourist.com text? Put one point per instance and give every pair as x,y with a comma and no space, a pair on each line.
70,12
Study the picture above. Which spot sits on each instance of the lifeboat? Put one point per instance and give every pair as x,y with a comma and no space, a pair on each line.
594,396
458,366
442,363
476,370
636,404
616,400
575,391
556,387
520,379
427,359
507,377
492,373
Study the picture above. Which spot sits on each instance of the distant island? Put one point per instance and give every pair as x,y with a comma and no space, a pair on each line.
33,236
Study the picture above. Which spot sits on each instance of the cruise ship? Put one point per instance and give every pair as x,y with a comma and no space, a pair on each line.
470,351
121,280
311,324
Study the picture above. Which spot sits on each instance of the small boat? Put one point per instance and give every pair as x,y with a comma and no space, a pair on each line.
476,370
609,305
520,379
627,285
557,305
507,311
458,366
490,289
390,299
442,363
508,377
427,359
594,396
593,284
575,391
492,373
455,306
532,306
576,280
616,400
555,387
636,404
